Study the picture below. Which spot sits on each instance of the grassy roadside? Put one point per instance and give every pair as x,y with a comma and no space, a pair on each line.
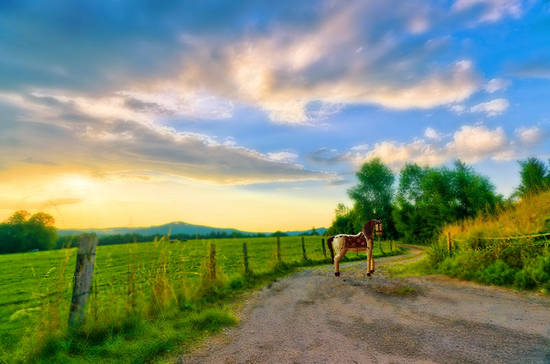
149,324
499,250
411,265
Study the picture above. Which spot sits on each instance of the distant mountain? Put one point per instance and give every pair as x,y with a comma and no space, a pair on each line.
172,228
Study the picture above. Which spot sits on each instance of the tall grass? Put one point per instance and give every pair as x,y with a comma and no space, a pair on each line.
523,263
151,308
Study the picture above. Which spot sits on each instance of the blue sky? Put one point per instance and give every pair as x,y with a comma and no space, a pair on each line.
149,106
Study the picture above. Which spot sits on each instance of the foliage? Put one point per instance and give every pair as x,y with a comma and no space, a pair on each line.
429,198
23,232
535,177
347,221
523,263
426,199
373,194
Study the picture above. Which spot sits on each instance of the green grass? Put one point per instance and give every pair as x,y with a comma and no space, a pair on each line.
149,299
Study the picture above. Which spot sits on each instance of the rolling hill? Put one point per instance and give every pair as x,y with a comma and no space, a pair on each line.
177,227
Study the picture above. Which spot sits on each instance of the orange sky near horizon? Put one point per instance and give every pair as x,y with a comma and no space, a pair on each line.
78,200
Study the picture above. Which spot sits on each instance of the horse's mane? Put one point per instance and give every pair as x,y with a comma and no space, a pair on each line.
368,228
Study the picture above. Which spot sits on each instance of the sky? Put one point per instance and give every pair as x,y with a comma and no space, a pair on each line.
256,114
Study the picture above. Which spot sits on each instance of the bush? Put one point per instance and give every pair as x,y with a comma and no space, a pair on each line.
466,264
498,273
522,280
538,269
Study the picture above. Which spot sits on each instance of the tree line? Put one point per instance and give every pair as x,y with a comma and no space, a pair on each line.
427,198
24,232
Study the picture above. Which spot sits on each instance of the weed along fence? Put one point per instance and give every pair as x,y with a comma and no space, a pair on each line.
537,239
117,274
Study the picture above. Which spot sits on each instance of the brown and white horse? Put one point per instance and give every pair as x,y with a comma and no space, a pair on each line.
340,244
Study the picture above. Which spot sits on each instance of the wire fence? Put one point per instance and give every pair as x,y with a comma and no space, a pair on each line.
511,239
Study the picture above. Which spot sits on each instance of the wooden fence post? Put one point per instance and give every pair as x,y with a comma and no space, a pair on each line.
83,278
449,241
391,245
304,249
278,248
212,265
323,245
245,256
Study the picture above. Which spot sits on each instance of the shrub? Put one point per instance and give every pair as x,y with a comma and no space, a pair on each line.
538,269
498,273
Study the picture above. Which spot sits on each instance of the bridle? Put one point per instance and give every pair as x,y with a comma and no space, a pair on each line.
378,228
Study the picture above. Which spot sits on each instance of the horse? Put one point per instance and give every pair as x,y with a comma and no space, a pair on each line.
363,241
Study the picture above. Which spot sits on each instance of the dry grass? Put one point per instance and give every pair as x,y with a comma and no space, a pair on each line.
530,215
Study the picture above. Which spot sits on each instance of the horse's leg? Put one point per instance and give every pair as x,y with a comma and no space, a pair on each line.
370,265
372,271
337,260
339,251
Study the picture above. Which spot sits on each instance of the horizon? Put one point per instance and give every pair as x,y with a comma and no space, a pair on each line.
256,116
188,223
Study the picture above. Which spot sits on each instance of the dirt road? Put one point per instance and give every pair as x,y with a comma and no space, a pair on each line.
313,317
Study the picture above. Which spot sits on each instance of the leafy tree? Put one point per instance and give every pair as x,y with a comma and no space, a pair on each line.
535,177
429,198
23,232
345,223
373,194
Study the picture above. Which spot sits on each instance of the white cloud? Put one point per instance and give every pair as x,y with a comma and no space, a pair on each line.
491,10
431,133
530,135
496,84
473,143
286,157
491,108
470,143
458,108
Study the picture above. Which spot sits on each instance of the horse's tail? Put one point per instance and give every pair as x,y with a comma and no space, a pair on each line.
329,243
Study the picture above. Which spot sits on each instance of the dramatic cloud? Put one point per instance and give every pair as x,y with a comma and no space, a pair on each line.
491,108
283,58
308,68
470,143
104,137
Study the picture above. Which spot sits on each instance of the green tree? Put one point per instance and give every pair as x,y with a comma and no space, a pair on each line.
535,177
429,198
345,223
373,194
23,232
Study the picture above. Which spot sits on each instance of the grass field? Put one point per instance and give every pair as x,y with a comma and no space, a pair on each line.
35,295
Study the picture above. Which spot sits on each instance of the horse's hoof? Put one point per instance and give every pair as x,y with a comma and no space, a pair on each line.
368,274
337,274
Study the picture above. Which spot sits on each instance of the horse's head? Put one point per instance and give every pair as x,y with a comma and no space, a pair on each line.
378,227
372,226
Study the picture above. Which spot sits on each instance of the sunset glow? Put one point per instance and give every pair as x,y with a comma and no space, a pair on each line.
257,116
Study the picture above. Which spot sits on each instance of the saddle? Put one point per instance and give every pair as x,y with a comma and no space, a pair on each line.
356,241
